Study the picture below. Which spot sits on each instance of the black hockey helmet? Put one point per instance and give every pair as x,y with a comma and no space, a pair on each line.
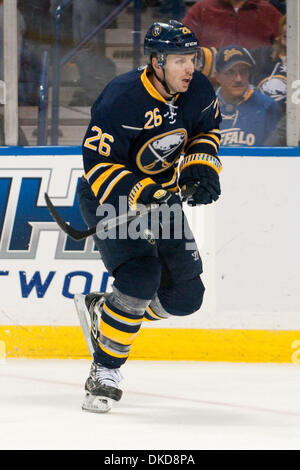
169,38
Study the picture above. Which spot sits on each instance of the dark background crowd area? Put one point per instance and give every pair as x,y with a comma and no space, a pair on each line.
214,22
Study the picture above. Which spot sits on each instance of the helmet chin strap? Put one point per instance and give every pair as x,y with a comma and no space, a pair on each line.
163,82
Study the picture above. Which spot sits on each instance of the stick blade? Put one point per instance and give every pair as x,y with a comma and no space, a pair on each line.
76,235
55,215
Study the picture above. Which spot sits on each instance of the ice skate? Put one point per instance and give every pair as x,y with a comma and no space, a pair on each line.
102,387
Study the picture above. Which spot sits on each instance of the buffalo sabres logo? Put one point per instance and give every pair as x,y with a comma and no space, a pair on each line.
159,153
275,87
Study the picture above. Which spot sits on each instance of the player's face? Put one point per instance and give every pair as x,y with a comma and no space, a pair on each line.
179,69
234,81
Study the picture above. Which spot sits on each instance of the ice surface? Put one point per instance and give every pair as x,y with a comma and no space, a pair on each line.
165,405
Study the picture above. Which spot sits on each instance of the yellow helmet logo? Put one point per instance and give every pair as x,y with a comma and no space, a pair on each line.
185,30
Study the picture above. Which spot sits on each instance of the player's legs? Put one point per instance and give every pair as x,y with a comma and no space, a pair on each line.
151,282
117,318
179,299
181,290
135,284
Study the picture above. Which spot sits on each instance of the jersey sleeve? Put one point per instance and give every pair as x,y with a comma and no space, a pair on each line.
105,153
203,146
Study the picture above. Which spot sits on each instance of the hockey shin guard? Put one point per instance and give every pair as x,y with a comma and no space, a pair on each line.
121,319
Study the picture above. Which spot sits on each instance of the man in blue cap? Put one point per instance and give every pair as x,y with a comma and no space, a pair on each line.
248,116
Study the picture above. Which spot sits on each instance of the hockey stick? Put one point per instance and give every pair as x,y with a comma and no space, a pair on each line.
102,227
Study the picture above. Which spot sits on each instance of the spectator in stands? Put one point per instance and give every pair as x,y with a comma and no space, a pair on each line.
270,77
270,73
248,116
247,23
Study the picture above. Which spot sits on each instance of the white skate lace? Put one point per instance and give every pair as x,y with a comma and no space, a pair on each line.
105,376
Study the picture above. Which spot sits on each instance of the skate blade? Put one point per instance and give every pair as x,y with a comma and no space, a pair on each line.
84,319
97,404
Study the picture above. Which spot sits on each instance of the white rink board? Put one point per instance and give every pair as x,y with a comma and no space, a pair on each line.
248,243
257,244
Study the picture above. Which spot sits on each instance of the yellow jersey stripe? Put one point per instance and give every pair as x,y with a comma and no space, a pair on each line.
203,159
213,132
95,168
216,138
150,88
205,141
112,184
101,179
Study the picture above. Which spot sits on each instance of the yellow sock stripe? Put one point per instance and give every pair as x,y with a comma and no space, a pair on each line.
101,179
136,191
112,333
112,184
203,159
123,319
152,314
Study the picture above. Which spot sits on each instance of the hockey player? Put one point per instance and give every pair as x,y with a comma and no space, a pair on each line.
141,124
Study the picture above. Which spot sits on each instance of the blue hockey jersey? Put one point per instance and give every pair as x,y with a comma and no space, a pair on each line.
135,134
250,121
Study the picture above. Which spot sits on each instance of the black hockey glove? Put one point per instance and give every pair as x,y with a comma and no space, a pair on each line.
199,179
148,192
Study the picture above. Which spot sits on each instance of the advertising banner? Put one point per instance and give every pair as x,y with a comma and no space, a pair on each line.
42,268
